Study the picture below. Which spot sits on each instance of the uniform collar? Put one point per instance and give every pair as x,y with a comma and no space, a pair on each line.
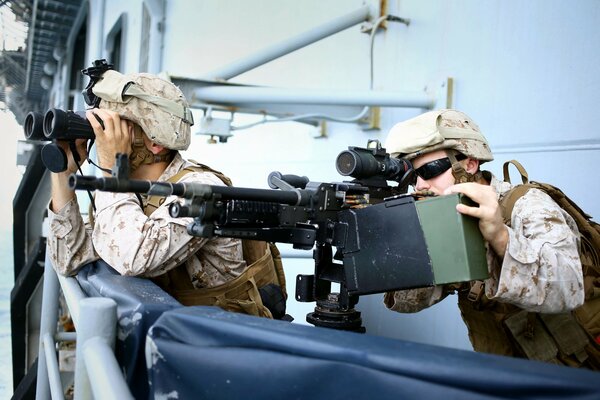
176,165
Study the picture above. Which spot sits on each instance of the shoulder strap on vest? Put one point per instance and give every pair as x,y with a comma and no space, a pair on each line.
524,175
508,200
198,167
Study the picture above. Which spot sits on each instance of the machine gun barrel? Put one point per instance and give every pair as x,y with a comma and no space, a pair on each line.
187,190
111,184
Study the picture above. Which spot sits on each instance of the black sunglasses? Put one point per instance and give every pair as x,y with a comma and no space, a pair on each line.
435,168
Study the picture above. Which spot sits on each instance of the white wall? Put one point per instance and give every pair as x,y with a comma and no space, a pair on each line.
527,72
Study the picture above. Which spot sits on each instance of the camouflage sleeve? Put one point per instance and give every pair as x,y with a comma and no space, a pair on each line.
137,245
69,239
414,300
541,270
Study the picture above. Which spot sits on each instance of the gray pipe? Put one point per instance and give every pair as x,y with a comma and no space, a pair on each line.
287,46
247,95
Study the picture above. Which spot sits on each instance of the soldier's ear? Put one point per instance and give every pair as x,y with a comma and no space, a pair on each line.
130,127
156,148
472,165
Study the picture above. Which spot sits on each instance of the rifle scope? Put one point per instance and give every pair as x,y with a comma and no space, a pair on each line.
362,163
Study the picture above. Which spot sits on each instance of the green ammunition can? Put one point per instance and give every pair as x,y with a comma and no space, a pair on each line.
454,242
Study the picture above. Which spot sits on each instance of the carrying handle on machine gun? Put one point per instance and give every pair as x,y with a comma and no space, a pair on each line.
277,180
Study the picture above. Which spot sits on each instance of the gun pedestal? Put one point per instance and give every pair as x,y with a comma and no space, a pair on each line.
330,314
333,310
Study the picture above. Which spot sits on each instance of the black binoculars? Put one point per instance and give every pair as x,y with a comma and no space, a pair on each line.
55,125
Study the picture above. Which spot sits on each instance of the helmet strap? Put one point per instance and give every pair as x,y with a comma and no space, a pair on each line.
141,155
459,173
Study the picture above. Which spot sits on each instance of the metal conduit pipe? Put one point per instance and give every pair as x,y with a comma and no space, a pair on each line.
98,318
52,366
547,148
287,46
249,95
31,34
289,253
100,362
66,337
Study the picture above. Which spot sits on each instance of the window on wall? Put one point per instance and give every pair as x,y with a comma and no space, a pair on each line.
114,43
114,56
145,40
76,78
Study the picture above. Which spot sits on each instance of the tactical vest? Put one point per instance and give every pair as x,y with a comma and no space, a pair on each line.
259,290
571,338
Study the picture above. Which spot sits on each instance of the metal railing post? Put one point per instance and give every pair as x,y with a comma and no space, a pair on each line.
48,321
56,389
100,362
73,296
97,318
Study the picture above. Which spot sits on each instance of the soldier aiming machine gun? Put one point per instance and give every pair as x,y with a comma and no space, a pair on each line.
377,234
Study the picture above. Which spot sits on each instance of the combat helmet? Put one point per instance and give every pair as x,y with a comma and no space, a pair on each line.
436,130
156,105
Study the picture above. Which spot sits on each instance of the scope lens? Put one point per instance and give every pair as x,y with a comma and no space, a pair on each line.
346,163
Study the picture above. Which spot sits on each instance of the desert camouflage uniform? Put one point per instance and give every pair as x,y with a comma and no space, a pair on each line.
541,270
134,244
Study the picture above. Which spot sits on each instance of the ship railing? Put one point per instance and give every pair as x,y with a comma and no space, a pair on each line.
97,373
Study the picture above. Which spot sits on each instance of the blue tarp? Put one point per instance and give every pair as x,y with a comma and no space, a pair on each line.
139,303
207,353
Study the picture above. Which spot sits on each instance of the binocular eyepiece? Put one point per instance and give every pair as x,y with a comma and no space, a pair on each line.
57,124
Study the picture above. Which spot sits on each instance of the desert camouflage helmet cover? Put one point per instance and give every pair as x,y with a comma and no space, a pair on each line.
436,130
156,105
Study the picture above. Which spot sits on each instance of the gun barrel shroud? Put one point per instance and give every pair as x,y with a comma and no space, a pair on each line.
112,184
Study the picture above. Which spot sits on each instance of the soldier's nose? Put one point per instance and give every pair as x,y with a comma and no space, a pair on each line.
421,184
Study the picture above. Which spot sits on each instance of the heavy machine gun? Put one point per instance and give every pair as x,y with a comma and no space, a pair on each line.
375,229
